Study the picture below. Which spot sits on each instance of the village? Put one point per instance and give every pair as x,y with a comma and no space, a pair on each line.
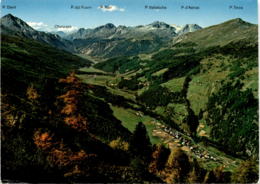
173,138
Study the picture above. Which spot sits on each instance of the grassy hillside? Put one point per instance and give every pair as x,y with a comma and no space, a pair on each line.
221,34
26,61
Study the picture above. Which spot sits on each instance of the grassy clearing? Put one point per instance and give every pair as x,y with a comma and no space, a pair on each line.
179,108
91,58
130,74
140,91
126,94
104,80
160,110
202,86
145,56
91,69
209,81
174,85
129,119
96,79
160,72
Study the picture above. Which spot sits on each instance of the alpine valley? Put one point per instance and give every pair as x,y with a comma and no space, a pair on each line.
156,103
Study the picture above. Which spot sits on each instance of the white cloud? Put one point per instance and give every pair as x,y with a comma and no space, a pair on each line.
110,8
40,26
67,30
37,25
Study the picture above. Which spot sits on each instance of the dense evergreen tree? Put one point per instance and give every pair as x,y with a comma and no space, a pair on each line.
140,145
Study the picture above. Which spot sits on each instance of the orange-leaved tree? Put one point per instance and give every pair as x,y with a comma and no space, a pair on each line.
71,99
58,153
43,140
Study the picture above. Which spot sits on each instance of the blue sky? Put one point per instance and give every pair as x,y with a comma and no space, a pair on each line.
47,13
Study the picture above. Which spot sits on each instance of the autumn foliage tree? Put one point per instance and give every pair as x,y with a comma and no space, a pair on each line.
177,167
32,93
119,144
159,158
197,173
217,175
63,156
43,140
71,99
247,172
59,154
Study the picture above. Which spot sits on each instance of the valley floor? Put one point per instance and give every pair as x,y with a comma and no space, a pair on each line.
159,133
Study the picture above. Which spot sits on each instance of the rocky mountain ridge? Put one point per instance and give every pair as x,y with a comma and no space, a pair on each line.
105,41
12,25
109,31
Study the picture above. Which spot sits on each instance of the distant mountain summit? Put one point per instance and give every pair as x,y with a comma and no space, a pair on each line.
158,24
12,25
108,26
188,28
237,21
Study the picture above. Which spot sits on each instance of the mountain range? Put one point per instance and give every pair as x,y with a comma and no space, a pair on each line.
103,41
111,41
110,31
